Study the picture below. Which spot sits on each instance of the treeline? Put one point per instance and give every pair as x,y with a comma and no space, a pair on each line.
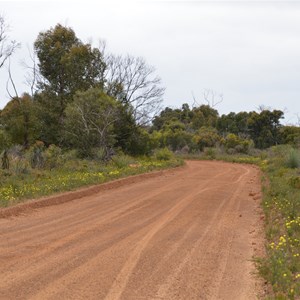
97,103
193,129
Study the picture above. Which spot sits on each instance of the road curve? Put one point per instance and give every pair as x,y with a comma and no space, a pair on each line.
188,234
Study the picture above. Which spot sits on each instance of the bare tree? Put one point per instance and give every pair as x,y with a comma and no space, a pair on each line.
7,48
134,83
210,97
33,75
263,107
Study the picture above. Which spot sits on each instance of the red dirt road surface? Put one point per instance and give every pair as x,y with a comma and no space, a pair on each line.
185,234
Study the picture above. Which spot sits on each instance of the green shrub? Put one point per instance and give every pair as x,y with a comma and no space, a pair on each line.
4,160
53,157
234,144
210,152
36,155
164,154
295,182
122,160
293,159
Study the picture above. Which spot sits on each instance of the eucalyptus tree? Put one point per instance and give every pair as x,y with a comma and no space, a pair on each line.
67,65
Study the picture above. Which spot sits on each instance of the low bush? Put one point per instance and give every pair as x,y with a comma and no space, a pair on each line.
293,159
164,154
122,160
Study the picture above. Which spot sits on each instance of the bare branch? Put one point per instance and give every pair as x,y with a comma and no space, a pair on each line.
133,82
195,103
33,75
10,79
262,107
210,98
7,48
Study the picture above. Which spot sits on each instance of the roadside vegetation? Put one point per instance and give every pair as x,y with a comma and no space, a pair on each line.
92,116
281,204
34,175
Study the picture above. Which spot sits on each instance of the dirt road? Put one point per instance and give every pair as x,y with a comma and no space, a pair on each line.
187,234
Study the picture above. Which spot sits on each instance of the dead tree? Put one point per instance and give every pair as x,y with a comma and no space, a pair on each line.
7,47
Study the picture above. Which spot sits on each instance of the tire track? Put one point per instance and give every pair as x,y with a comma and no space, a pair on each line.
160,238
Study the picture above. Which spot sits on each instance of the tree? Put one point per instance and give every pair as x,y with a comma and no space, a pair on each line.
204,115
264,128
19,120
134,83
90,122
7,48
290,135
236,123
67,65
175,136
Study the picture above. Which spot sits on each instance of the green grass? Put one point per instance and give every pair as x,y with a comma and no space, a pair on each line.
29,183
281,204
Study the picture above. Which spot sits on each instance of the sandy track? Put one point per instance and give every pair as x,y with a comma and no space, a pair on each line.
187,234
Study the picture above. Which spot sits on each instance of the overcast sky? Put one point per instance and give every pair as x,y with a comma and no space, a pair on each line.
249,51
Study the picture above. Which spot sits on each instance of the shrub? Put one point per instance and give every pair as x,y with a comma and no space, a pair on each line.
53,157
36,155
295,182
164,154
293,159
210,152
206,137
122,160
235,144
4,160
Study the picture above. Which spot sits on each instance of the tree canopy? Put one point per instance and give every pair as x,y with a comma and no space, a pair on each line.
87,99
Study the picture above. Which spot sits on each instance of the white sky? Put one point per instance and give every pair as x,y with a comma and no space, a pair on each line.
247,50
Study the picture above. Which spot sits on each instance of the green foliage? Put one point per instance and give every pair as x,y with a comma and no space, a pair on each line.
290,135
5,141
206,137
294,182
234,123
90,122
164,154
140,143
264,128
235,144
67,64
17,185
204,115
122,160
281,204
20,121
194,119
293,159
53,157
210,153
36,155
4,160
174,135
